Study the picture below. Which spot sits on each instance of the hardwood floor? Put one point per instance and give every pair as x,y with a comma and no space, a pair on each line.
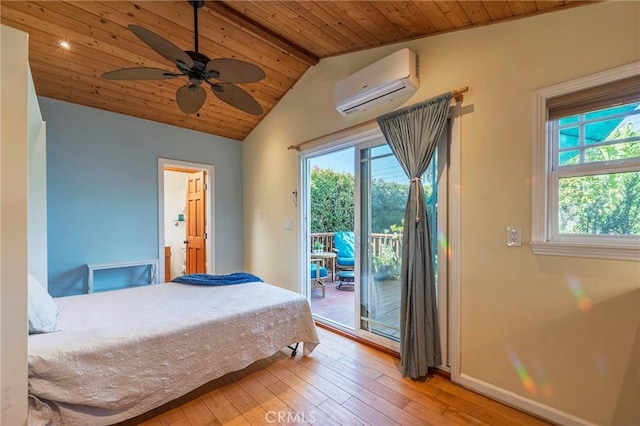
341,383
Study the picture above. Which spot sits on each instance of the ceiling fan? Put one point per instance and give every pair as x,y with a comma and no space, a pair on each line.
198,68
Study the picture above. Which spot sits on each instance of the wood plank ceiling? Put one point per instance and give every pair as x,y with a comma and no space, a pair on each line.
284,38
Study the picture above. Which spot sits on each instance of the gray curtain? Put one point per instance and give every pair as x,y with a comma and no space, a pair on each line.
413,134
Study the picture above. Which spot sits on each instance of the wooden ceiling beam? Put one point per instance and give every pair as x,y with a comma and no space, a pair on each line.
241,21
278,16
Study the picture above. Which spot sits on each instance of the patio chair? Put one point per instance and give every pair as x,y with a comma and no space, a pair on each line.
318,276
343,245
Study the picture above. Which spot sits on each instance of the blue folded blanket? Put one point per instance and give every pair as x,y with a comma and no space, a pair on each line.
207,279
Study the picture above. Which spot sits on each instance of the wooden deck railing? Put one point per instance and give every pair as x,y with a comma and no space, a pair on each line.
377,241
393,240
325,238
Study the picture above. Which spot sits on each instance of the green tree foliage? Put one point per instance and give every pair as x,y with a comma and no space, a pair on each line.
390,201
332,201
603,204
333,208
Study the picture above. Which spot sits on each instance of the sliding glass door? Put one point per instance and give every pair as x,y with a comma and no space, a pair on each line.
365,299
382,188
382,198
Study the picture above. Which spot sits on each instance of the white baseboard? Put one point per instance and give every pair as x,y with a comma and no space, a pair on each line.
518,401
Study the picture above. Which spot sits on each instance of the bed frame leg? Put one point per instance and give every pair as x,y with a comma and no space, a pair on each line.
294,349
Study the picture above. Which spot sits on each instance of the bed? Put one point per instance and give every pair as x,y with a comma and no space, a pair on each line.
119,354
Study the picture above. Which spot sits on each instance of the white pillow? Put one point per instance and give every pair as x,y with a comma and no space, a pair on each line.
43,310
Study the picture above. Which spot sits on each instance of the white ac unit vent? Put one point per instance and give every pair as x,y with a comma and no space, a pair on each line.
389,78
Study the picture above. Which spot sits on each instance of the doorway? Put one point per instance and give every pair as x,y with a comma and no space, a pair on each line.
331,196
379,200
185,212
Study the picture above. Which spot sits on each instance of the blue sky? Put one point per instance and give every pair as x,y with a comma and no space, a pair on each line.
339,161
343,161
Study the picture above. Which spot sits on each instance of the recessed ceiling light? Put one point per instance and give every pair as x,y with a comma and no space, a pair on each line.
64,44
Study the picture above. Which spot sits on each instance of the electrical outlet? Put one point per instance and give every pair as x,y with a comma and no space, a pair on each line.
288,225
514,237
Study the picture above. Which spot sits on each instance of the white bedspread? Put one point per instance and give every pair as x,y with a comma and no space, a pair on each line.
122,353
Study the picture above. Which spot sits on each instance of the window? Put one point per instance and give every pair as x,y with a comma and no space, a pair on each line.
586,192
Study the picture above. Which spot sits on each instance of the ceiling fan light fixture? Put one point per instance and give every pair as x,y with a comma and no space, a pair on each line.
190,98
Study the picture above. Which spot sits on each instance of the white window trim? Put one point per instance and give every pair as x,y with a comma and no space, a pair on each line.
602,247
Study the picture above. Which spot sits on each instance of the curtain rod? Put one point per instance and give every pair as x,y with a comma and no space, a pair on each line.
455,94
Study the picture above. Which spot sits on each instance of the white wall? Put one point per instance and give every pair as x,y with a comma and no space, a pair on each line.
14,75
37,183
513,302
175,196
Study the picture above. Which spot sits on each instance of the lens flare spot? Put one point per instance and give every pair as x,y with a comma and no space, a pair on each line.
444,244
543,380
583,301
602,365
523,375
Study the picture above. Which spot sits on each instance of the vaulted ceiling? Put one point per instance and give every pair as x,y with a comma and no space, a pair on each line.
284,38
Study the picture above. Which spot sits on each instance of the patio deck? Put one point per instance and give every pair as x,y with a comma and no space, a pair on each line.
338,306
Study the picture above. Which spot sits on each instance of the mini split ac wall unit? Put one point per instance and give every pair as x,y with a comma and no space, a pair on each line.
387,79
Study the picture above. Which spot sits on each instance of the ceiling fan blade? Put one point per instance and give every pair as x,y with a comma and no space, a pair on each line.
234,71
190,98
163,46
236,97
142,73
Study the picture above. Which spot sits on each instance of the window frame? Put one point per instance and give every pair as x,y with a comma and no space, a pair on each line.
545,240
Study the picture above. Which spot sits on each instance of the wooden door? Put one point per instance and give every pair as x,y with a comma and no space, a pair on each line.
196,223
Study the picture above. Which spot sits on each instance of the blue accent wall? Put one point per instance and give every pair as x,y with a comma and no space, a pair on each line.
102,192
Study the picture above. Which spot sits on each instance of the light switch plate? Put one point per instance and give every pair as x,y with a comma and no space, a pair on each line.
514,237
288,226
